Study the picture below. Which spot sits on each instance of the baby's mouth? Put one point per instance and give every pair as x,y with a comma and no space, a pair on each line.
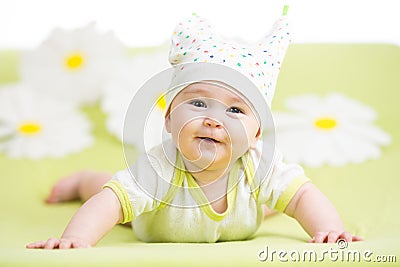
209,139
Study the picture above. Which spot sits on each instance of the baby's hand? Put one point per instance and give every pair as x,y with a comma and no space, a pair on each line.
333,237
59,243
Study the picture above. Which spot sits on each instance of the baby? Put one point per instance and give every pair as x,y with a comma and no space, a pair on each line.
209,182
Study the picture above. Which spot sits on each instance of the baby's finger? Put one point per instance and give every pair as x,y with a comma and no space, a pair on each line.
357,238
320,237
79,245
333,237
65,244
37,244
52,243
345,236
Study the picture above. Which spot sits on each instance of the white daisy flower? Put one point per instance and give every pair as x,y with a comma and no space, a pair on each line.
34,125
334,130
120,91
73,65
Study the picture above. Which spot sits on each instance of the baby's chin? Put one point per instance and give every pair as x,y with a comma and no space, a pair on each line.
208,161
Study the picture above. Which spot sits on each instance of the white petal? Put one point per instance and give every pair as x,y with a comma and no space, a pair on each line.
289,121
293,144
369,133
354,149
303,104
317,150
350,109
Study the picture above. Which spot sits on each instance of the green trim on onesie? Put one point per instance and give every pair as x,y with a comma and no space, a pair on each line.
177,183
250,174
233,179
200,197
123,198
290,191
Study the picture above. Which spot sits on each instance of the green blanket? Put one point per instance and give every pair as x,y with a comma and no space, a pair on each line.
364,194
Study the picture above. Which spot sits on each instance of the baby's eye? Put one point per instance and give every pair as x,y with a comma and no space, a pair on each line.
234,110
198,103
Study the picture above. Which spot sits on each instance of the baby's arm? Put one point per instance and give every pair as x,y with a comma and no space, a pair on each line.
317,216
92,221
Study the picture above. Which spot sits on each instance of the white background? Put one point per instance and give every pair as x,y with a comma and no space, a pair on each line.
24,24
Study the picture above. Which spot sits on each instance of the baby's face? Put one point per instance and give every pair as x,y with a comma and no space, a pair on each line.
212,126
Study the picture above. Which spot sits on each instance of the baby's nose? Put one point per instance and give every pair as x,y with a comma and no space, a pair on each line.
208,122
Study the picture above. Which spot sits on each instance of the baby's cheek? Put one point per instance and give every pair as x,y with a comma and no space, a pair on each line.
240,141
237,131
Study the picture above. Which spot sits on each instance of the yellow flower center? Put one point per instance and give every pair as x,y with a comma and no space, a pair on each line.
161,102
325,123
74,61
29,128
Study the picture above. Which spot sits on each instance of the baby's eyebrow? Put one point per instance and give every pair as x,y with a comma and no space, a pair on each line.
204,92
195,91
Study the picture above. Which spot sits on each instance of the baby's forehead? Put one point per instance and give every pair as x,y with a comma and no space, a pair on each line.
216,89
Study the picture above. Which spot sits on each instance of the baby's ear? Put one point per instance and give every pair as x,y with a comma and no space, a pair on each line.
167,123
253,142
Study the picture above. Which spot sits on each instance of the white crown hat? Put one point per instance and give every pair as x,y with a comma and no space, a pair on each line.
194,40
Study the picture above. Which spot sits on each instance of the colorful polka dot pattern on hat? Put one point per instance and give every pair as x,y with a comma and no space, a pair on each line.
194,41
